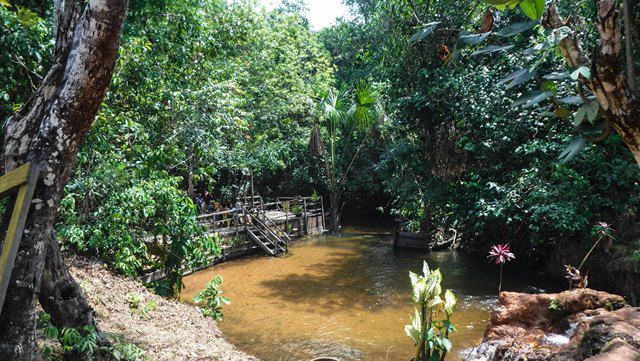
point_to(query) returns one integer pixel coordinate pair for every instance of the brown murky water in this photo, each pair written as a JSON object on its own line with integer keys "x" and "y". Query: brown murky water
{"x": 344, "y": 296}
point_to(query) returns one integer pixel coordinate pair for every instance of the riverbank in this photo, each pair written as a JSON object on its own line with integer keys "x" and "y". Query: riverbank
{"x": 169, "y": 331}
{"x": 581, "y": 324}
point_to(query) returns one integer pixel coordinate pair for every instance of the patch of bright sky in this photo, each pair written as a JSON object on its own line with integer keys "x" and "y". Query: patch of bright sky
{"x": 321, "y": 14}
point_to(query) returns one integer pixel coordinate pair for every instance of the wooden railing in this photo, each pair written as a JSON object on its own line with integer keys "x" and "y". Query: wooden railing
{"x": 291, "y": 207}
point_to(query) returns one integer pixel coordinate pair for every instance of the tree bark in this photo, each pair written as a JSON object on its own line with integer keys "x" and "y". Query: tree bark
{"x": 608, "y": 82}
{"x": 334, "y": 199}
{"x": 47, "y": 132}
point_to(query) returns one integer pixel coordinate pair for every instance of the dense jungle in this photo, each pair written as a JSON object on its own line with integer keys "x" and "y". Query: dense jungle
{"x": 327, "y": 178}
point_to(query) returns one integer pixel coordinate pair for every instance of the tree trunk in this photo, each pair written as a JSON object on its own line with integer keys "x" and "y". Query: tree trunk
{"x": 608, "y": 82}
{"x": 62, "y": 297}
{"x": 47, "y": 132}
{"x": 334, "y": 198}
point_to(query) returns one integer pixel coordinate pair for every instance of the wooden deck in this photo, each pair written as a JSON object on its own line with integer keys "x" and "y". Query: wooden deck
{"x": 270, "y": 225}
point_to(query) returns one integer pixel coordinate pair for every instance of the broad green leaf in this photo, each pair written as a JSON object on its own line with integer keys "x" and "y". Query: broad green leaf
{"x": 450, "y": 301}
{"x": 516, "y": 28}
{"x": 522, "y": 78}
{"x": 557, "y": 76}
{"x": 533, "y": 8}
{"x": 579, "y": 116}
{"x": 425, "y": 269}
{"x": 581, "y": 71}
{"x": 573, "y": 149}
{"x": 557, "y": 35}
{"x": 574, "y": 100}
{"x": 423, "y": 32}
{"x": 27, "y": 17}
{"x": 592, "y": 110}
{"x": 496, "y": 2}
{"x": 473, "y": 39}
{"x": 532, "y": 98}
{"x": 492, "y": 49}
{"x": 436, "y": 301}
{"x": 517, "y": 77}
{"x": 5, "y": 3}
{"x": 420, "y": 291}
{"x": 588, "y": 111}
{"x": 446, "y": 343}
{"x": 413, "y": 330}
{"x": 414, "y": 278}
{"x": 431, "y": 333}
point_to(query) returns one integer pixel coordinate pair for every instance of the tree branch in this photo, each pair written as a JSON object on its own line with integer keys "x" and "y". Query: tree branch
{"x": 631, "y": 72}
{"x": 569, "y": 46}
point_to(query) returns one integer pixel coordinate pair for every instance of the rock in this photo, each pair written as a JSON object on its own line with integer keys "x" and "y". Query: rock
{"x": 622, "y": 353}
{"x": 572, "y": 325}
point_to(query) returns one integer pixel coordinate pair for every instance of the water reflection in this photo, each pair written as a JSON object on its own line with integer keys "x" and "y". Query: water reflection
{"x": 345, "y": 296}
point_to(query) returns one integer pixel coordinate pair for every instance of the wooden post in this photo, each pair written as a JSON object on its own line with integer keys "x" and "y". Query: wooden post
{"x": 396, "y": 232}
{"x": 252, "y": 194}
{"x": 286, "y": 219}
{"x": 19, "y": 183}
{"x": 304, "y": 216}
{"x": 322, "y": 217}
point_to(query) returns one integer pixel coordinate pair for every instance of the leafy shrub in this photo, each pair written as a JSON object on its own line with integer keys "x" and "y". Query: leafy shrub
{"x": 556, "y": 306}
{"x": 211, "y": 299}
{"x": 145, "y": 224}
{"x": 136, "y": 304}
{"x": 430, "y": 335}
{"x": 84, "y": 341}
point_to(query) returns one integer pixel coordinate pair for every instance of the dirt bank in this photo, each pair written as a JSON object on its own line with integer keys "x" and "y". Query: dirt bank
{"x": 171, "y": 331}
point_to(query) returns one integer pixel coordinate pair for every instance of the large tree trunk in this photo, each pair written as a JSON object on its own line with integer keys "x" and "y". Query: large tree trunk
{"x": 608, "y": 82}
{"x": 48, "y": 132}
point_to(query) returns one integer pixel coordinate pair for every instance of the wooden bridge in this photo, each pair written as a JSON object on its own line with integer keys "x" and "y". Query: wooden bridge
{"x": 272, "y": 225}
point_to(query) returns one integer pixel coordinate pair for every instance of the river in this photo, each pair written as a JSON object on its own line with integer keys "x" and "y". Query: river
{"x": 347, "y": 296}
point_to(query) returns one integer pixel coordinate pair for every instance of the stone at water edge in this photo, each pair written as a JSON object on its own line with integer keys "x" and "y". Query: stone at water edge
{"x": 523, "y": 326}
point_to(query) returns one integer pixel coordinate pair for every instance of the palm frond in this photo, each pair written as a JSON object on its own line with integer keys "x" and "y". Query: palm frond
{"x": 367, "y": 107}
{"x": 333, "y": 107}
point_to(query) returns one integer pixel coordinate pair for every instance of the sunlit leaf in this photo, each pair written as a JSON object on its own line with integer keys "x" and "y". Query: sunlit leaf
{"x": 557, "y": 76}
{"x": 516, "y": 28}
{"x": 532, "y": 98}
{"x": 581, "y": 71}
{"x": 423, "y": 32}
{"x": 473, "y": 39}
{"x": 573, "y": 149}
{"x": 496, "y": 2}
{"x": 450, "y": 301}
{"x": 533, "y": 8}
{"x": 573, "y": 100}
{"x": 492, "y": 49}
{"x": 425, "y": 269}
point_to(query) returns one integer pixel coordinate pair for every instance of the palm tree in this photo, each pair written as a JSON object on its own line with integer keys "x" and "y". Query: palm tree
{"x": 359, "y": 110}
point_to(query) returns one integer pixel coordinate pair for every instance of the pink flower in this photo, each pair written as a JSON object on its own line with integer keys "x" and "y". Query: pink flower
{"x": 501, "y": 254}
{"x": 603, "y": 228}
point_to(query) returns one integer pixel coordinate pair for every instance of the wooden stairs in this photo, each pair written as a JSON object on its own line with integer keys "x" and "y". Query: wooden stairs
{"x": 263, "y": 231}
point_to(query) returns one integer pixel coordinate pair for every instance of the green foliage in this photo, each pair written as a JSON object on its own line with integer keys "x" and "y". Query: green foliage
{"x": 85, "y": 341}
{"x": 25, "y": 50}
{"x": 141, "y": 308}
{"x": 457, "y": 155}
{"x": 430, "y": 334}
{"x": 204, "y": 93}
{"x": 556, "y": 306}
{"x": 211, "y": 299}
